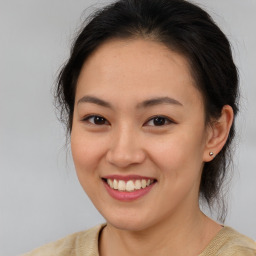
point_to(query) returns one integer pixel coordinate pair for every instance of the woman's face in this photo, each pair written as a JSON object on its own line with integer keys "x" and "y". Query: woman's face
{"x": 139, "y": 125}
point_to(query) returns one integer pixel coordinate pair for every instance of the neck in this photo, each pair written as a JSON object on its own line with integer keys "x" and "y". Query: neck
{"x": 165, "y": 238}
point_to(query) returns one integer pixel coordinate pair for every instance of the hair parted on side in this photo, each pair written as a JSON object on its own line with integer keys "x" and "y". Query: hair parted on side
{"x": 184, "y": 28}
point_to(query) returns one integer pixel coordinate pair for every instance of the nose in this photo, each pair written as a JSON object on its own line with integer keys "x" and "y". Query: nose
{"x": 125, "y": 149}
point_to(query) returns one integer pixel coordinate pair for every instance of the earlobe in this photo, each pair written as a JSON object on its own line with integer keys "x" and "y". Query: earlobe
{"x": 218, "y": 133}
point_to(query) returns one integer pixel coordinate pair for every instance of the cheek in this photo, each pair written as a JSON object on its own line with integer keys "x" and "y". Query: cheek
{"x": 86, "y": 151}
{"x": 179, "y": 152}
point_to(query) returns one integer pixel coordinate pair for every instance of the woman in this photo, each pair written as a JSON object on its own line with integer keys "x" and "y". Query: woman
{"x": 150, "y": 94}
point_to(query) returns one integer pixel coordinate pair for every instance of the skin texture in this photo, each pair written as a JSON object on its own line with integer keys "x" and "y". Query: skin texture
{"x": 124, "y": 74}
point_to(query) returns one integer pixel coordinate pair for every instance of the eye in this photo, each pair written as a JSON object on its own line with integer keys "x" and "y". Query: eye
{"x": 159, "y": 121}
{"x": 97, "y": 120}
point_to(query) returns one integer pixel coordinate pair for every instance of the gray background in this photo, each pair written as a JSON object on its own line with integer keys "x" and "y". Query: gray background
{"x": 40, "y": 197}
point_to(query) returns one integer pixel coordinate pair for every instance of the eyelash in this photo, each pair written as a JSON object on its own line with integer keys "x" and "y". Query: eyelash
{"x": 166, "y": 119}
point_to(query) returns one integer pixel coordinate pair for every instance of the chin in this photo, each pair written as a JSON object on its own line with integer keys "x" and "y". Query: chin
{"x": 132, "y": 226}
{"x": 129, "y": 222}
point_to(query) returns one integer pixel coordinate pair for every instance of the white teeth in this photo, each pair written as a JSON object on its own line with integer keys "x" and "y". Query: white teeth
{"x": 143, "y": 183}
{"x": 110, "y": 183}
{"x": 130, "y": 185}
{"x": 115, "y": 184}
{"x": 137, "y": 184}
{"x": 121, "y": 185}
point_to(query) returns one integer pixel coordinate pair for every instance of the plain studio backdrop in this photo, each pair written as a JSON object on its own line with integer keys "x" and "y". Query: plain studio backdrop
{"x": 40, "y": 197}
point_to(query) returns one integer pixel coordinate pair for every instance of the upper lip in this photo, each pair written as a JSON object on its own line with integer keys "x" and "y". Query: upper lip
{"x": 127, "y": 177}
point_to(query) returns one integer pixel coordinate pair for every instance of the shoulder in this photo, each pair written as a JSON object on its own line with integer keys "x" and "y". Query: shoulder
{"x": 229, "y": 242}
{"x": 81, "y": 243}
{"x": 238, "y": 244}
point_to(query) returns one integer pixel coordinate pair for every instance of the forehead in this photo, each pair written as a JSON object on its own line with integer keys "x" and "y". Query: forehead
{"x": 137, "y": 67}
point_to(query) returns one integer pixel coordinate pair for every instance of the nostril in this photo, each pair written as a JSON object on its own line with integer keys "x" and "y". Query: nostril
{"x": 123, "y": 158}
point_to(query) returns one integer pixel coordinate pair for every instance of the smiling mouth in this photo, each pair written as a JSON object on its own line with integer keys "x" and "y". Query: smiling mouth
{"x": 128, "y": 185}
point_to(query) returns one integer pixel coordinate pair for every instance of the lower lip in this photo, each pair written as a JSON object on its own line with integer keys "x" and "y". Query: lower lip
{"x": 127, "y": 196}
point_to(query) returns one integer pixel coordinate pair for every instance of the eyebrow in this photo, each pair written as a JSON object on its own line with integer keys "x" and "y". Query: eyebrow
{"x": 144, "y": 104}
{"x": 158, "y": 101}
{"x": 94, "y": 100}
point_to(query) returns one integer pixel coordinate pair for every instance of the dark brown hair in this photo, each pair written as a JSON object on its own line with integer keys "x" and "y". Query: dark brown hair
{"x": 184, "y": 28}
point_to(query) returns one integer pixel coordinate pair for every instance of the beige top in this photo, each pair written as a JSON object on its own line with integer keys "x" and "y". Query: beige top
{"x": 227, "y": 242}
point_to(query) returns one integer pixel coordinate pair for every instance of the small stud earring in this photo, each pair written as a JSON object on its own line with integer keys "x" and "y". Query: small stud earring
{"x": 211, "y": 154}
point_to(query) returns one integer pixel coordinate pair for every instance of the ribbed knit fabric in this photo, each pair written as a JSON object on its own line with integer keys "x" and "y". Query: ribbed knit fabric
{"x": 227, "y": 242}
{"x": 84, "y": 243}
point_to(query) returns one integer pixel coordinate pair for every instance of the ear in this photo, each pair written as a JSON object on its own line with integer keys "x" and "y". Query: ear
{"x": 218, "y": 132}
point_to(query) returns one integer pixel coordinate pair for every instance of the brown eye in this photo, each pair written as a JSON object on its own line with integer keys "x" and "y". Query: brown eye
{"x": 159, "y": 121}
{"x": 97, "y": 120}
